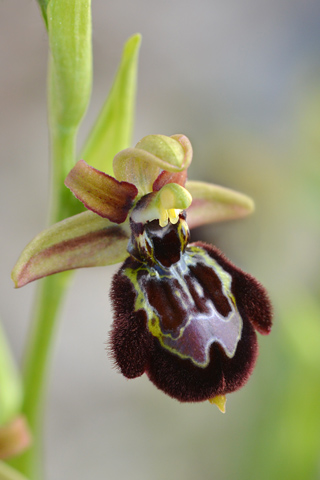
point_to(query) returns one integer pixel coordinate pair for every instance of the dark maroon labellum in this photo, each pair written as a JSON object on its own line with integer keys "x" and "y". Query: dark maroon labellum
{"x": 185, "y": 315}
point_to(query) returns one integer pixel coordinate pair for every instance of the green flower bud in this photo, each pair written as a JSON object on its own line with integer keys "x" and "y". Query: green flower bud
{"x": 69, "y": 30}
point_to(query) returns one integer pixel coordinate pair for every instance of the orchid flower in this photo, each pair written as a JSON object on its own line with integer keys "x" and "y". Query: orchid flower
{"x": 183, "y": 313}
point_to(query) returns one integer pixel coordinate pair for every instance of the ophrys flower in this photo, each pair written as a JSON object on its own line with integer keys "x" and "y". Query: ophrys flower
{"x": 183, "y": 313}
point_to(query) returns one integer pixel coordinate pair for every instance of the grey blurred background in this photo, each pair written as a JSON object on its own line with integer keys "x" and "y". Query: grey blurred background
{"x": 241, "y": 79}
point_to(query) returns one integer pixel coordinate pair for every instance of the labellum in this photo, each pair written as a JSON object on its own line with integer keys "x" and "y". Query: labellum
{"x": 184, "y": 314}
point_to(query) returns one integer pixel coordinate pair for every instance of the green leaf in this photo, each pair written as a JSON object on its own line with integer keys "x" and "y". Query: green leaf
{"x": 113, "y": 129}
{"x": 84, "y": 240}
{"x": 212, "y": 203}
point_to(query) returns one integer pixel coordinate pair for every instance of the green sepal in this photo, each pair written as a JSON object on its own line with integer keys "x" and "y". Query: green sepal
{"x": 84, "y": 240}
{"x": 112, "y": 131}
{"x": 212, "y": 203}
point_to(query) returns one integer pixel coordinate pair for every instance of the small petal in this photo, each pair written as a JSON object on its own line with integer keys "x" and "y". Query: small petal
{"x": 85, "y": 240}
{"x": 212, "y": 203}
{"x": 169, "y": 177}
{"x": 101, "y": 193}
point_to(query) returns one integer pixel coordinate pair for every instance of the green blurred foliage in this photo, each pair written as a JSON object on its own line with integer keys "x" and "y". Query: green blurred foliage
{"x": 281, "y": 246}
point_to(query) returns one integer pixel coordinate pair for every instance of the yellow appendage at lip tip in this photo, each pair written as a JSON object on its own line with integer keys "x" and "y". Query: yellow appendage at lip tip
{"x": 220, "y": 401}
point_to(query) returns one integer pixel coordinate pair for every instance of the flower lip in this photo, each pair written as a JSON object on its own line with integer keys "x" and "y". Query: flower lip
{"x": 199, "y": 314}
{"x": 170, "y": 362}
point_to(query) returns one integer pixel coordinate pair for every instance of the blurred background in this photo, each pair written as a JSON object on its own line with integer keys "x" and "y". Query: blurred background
{"x": 241, "y": 78}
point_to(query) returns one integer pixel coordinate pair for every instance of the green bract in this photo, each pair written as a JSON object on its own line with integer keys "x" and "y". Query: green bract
{"x": 113, "y": 128}
{"x": 150, "y": 183}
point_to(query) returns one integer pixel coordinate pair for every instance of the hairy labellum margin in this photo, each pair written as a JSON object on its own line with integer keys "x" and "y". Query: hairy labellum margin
{"x": 185, "y": 315}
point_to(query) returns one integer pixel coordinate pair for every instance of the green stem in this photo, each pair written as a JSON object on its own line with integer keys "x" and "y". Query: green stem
{"x": 48, "y": 300}
{"x": 63, "y": 203}
{"x": 49, "y": 297}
